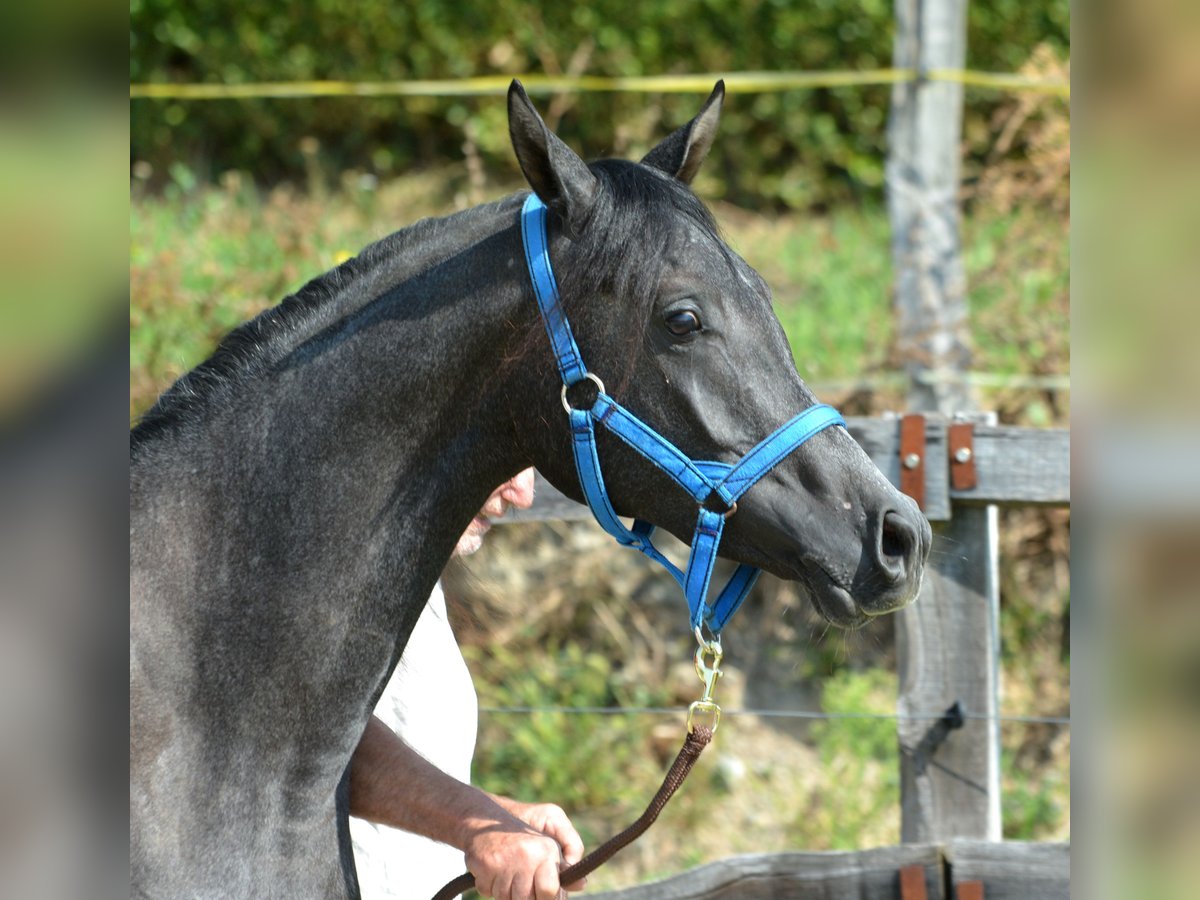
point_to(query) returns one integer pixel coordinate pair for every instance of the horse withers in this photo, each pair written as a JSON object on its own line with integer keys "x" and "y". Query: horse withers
{"x": 294, "y": 498}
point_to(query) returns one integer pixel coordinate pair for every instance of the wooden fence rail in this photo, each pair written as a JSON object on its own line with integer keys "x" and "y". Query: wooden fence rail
{"x": 1012, "y": 870}
{"x": 1016, "y": 467}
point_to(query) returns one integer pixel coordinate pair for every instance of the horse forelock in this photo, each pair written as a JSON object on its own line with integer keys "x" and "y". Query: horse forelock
{"x": 636, "y": 220}
{"x": 640, "y": 215}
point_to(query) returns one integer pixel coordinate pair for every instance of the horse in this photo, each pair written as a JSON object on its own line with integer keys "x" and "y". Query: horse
{"x": 294, "y": 498}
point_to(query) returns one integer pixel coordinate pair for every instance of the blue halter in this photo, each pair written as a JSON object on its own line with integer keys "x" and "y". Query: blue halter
{"x": 706, "y": 482}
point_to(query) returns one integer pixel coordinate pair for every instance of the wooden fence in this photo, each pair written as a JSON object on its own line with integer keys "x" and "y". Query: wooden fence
{"x": 947, "y": 646}
{"x": 957, "y": 870}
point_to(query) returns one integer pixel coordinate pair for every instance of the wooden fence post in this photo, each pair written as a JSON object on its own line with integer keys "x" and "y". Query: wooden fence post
{"x": 947, "y": 652}
{"x": 947, "y": 643}
{"x": 924, "y": 132}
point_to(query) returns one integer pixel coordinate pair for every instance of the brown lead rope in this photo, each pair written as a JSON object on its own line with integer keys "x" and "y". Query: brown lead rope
{"x": 697, "y": 739}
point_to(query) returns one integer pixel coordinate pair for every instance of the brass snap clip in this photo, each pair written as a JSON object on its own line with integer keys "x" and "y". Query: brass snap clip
{"x": 709, "y": 672}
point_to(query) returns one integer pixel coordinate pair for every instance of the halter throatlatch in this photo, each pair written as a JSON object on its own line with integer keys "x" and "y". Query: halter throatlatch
{"x": 708, "y": 483}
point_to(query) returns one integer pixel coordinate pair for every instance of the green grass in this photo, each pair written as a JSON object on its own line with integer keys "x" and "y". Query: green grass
{"x": 1018, "y": 269}
{"x": 204, "y": 262}
{"x": 830, "y": 277}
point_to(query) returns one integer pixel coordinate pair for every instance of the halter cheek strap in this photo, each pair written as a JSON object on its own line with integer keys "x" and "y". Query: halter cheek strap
{"x": 705, "y": 481}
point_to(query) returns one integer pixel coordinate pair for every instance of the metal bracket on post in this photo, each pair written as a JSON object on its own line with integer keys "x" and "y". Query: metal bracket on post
{"x": 912, "y": 457}
{"x": 912, "y": 883}
{"x": 961, "y": 449}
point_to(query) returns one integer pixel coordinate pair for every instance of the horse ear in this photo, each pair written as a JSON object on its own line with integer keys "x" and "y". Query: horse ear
{"x": 560, "y": 178}
{"x": 682, "y": 152}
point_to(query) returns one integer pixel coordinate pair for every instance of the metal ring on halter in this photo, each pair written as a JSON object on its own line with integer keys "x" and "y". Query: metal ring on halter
{"x": 588, "y": 376}
{"x": 711, "y": 646}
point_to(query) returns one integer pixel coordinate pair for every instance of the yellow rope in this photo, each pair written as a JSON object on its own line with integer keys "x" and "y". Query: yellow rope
{"x": 1003, "y": 81}
{"x": 749, "y": 82}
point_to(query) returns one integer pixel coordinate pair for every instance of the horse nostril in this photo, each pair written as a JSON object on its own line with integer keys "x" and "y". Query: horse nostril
{"x": 897, "y": 544}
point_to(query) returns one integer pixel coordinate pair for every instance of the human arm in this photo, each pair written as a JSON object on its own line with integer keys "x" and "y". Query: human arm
{"x": 512, "y": 848}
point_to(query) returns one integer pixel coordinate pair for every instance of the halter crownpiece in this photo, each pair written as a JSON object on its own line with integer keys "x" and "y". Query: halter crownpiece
{"x": 708, "y": 483}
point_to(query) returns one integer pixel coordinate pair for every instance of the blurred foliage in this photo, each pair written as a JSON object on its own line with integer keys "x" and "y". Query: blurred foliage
{"x": 54, "y": 201}
{"x": 857, "y": 751}
{"x": 1035, "y": 636}
{"x": 1035, "y": 800}
{"x": 1030, "y": 156}
{"x": 798, "y": 149}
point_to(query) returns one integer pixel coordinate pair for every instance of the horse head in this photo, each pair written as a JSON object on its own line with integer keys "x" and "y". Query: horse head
{"x": 682, "y": 330}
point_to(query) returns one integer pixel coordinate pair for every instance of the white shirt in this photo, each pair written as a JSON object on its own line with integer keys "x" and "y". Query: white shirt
{"x": 430, "y": 702}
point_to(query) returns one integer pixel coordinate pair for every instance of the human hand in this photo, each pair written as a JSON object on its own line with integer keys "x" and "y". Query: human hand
{"x": 520, "y": 859}
{"x": 550, "y": 820}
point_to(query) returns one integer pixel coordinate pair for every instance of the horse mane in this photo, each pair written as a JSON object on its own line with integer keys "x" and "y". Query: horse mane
{"x": 240, "y": 353}
{"x": 636, "y": 207}
{"x": 252, "y": 348}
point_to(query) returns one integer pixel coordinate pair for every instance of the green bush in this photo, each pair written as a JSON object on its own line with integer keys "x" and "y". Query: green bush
{"x": 797, "y": 149}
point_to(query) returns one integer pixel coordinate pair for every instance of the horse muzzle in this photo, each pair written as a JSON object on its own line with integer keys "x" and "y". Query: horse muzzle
{"x": 895, "y": 549}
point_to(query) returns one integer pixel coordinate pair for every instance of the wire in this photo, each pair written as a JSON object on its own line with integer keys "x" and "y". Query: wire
{"x": 985, "y": 380}
{"x": 777, "y": 714}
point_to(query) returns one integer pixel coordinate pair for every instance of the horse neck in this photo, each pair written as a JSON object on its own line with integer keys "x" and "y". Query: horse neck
{"x": 311, "y": 509}
{"x": 398, "y": 368}
{"x": 408, "y": 388}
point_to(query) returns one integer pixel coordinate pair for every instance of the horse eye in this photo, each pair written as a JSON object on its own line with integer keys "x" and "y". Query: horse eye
{"x": 683, "y": 322}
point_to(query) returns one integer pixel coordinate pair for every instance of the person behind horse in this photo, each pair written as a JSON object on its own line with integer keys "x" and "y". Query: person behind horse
{"x": 412, "y": 771}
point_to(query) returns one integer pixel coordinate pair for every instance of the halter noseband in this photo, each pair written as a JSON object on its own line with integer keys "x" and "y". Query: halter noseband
{"x": 706, "y": 482}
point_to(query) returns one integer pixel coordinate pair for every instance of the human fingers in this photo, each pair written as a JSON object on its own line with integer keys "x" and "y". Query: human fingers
{"x": 545, "y": 884}
{"x": 493, "y": 876}
{"x": 520, "y": 489}
{"x": 516, "y": 865}
{"x": 575, "y": 885}
{"x": 503, "y": 888}
{"x": 558, "y": 825}
{"x": 484, "y": 885}
{"x": 553, "y": 822}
